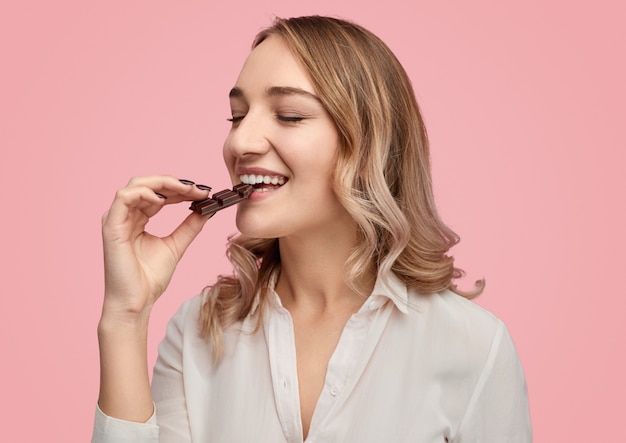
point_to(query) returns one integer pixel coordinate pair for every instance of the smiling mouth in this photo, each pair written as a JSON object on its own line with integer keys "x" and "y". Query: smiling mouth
{"x": 263, "y": 183}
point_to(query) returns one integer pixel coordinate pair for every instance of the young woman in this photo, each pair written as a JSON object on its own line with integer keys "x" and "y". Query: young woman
{"x": 341, "y": 322}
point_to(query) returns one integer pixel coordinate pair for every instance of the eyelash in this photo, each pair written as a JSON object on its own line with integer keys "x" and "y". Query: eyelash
{"x": 282, "y": 118}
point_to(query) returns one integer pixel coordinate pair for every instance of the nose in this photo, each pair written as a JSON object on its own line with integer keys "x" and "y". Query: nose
{"x": 247, "y": 137}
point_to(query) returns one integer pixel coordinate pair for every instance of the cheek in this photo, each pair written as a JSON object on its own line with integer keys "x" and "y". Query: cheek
{"x": 318, "y": 154}
{"x": 225, "y": 151}
{"x": 326, "y": 163}
{"x": 227, "y": 155}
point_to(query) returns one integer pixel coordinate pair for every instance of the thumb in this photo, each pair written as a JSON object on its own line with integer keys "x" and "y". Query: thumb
{"x": 188, "y": 230}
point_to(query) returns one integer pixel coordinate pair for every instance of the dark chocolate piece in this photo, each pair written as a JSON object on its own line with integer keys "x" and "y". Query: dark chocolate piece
{"x": 243, "y": 190}
{"x": 222, "y": 199}
{"x": 228, "y": 198}
{"x": 219, "y": 196}
{"x": 205, "y": 206}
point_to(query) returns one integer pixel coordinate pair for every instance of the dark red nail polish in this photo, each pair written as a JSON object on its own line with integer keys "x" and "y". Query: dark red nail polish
{"x": 161, "y": 195}
{"x": 204, "y": 187}
{"x": 186, "y": 182}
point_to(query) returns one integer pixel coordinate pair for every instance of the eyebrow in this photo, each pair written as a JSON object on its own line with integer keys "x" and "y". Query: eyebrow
{"x": 277, "y": 91}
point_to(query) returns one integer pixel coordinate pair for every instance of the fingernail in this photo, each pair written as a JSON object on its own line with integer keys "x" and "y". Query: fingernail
{"x": 204, "y": 187}
{"x": 186, "y": 182}
{"x": 161, "y": 196}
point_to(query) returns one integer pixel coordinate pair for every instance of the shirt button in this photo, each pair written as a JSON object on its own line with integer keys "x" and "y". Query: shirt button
{"x": 334, "y": 391}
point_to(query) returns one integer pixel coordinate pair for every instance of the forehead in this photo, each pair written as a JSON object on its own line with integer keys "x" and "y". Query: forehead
{"x": 272, "y": 64}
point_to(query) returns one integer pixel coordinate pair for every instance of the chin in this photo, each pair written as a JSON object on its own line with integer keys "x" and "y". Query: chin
{"x": 250, "y": 227}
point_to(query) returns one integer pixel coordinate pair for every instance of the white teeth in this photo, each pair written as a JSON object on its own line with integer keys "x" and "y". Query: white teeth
{"x": 252, "y": 179}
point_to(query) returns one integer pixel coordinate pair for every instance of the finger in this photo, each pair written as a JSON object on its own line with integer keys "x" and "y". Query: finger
{"x": 188, "y": 230}
{"x": 142, "y": 198}
{"x": 134, "y": 205}
{"x": 176, "y": 190}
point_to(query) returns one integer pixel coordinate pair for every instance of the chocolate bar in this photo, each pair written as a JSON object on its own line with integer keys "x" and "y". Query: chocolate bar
{"x": 222, "y": 199}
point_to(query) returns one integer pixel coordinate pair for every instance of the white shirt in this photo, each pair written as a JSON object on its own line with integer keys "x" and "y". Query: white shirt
{"x": 407, "y": 368}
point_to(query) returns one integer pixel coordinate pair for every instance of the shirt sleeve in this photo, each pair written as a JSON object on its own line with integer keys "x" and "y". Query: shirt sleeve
{"x": 112, "y": 430}
{"x": 168, "y": 390}
{"x": 498, "y": 410}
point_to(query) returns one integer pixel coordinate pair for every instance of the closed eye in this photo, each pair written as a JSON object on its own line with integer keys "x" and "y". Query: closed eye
{"x": 235, "y": 119}
{"x": 284, "y": 118}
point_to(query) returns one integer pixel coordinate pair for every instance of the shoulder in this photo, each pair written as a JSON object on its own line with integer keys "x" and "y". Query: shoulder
{"x": 180, "y": 325}
{"x": 451, "y": 308}
{"x": 186, "y": 316}
{"x": 467, "y": 332}
{"x": 190, "y": 307}
{"x": 183, "y": 329}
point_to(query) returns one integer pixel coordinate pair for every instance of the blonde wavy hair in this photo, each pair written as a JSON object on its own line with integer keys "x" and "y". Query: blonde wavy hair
{"x": 382, "y": 175}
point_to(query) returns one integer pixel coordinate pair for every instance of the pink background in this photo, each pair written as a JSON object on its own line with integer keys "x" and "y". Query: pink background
{"x": 525, "y": 108}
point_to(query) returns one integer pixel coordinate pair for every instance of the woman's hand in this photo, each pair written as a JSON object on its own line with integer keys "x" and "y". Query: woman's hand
{"x": 138, "y": 265}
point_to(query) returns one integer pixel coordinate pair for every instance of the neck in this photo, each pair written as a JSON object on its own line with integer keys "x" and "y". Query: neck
{"x": 312, "y": 275}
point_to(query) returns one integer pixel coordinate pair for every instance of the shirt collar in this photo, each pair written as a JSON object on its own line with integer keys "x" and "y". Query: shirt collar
{"x": 388, "y": 285}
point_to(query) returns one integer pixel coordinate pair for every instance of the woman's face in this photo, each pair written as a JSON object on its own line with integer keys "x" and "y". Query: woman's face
{"x": 282, "y": 140}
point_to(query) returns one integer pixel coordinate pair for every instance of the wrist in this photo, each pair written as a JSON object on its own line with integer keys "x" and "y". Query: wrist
{"x": 121, "y": 321}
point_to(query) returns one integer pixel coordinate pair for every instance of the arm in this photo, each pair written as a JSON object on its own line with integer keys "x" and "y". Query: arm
{"x": 138, "y": 268}
{"x": 498, "y": 410}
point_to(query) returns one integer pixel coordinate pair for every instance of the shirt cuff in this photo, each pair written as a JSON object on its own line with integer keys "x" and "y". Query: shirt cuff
{"x": 113, "y": 430}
